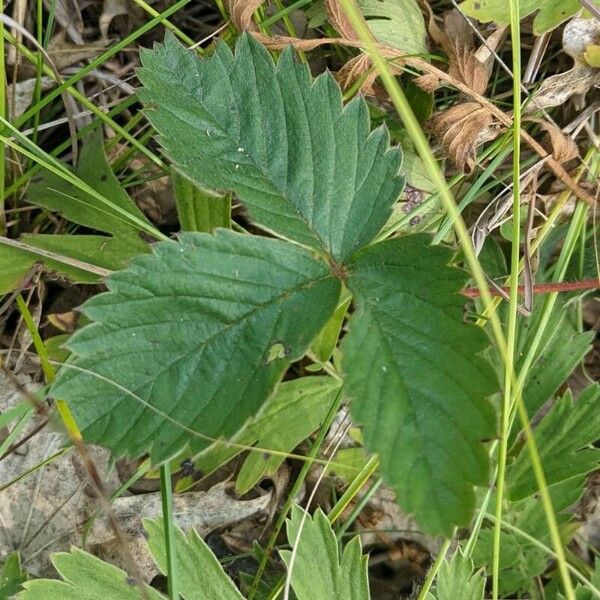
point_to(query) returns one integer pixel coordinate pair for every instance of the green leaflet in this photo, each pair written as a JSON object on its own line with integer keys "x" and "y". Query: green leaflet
{"x": 290, "y": 415}
{"x": 520, "y": 560}
{"x": 582, "y": 592}
{"x": 396, "y": 23}
{"x": 560, "y": 350}
{"x": 457, "y": 581}
{"x": 111, "y": 251}
{"x": 15, "y": 265}
{"x": 319, "y": 569}
{"x": 551, "y": 12}
{"x": 305, "y": 168}
{"x": 53, "y": 192}
{"x": 200, "y": 575}
{"x": 416, "y": 381}
{"x": 564, "y": 438}
{"x": 189, "y": 329}
{"x": 85, "y": 578}
{"x": 12, "y": 575}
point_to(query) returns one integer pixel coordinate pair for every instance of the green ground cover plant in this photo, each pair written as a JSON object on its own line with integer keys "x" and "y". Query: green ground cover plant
{"x": 368, "y": 282}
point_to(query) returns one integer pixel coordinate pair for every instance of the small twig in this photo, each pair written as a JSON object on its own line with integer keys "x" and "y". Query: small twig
{"x": 542, "y": 288}
{"x": 591, "y": 7}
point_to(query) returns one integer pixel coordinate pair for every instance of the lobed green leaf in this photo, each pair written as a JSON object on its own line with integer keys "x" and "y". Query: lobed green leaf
{"x": 306, "y": 167}
{"x": 181, "y": 343}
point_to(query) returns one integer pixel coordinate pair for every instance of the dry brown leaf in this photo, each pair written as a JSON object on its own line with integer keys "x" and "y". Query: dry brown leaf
{"x": 556, "y": 90}
{"x": 241, "y": 12}
{"x": 48, "y": 510}
{"x": 337, "y": 17}
{"x": 470, "y": 66}
{"x": 461, "y": 129}
{"x": 202, "y": 511}
{"x": 20, "y": 94}
{"x": 361, "y": 66}
{"x": 353, "y": 70}
{"x": 280, "y": 42}
{"x": 559, "y": 144}
{"x": 64, "y": 54}
{"x": 119, "y": 8}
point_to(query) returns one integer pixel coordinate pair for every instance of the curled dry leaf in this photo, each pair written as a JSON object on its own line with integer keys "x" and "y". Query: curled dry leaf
{"x": 559, "y": 144}
{"x": 578, "y": 36}
{"x": 20, "y": 94}
{"x": 119, "y": 8}
{"x": 65, "y": 54}
{"x": 241, "y": 12}
{"x": 337, "y": 17}
{"x": 461, "y": 129}
{"x": 466, "y": 64}
{"x": 396, "y": 24}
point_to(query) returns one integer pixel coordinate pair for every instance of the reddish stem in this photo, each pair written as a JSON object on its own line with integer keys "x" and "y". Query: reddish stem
{"x": 542, "y": 288}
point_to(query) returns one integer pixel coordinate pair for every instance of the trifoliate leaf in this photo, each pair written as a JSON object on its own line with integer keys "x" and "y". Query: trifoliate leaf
{"x": 564, "y": 438}
{"x": 289, "y": 416}
{"x": 305, "y": 167}
{"x": 199, "y": 574}
{"x": 86, "y": 577}
{"x": 318, "y": 570}
{"x": 416, "y": 381}
{"x": 185, "y": 335}
{"x": 551, "y": 13}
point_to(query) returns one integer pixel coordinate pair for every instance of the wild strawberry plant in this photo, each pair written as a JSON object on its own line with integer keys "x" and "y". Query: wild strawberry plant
{"x": 189, "y": 342}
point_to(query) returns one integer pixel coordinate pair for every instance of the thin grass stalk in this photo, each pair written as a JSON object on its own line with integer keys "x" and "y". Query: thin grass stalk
{"x": 424, "y": 150}
{"x": 433, "y": 570}
{"x": 3, "y": 115}
{"x": 511, "y": 335}
{"x": 166, "y": 496}
{"x": 95, "y": 63}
